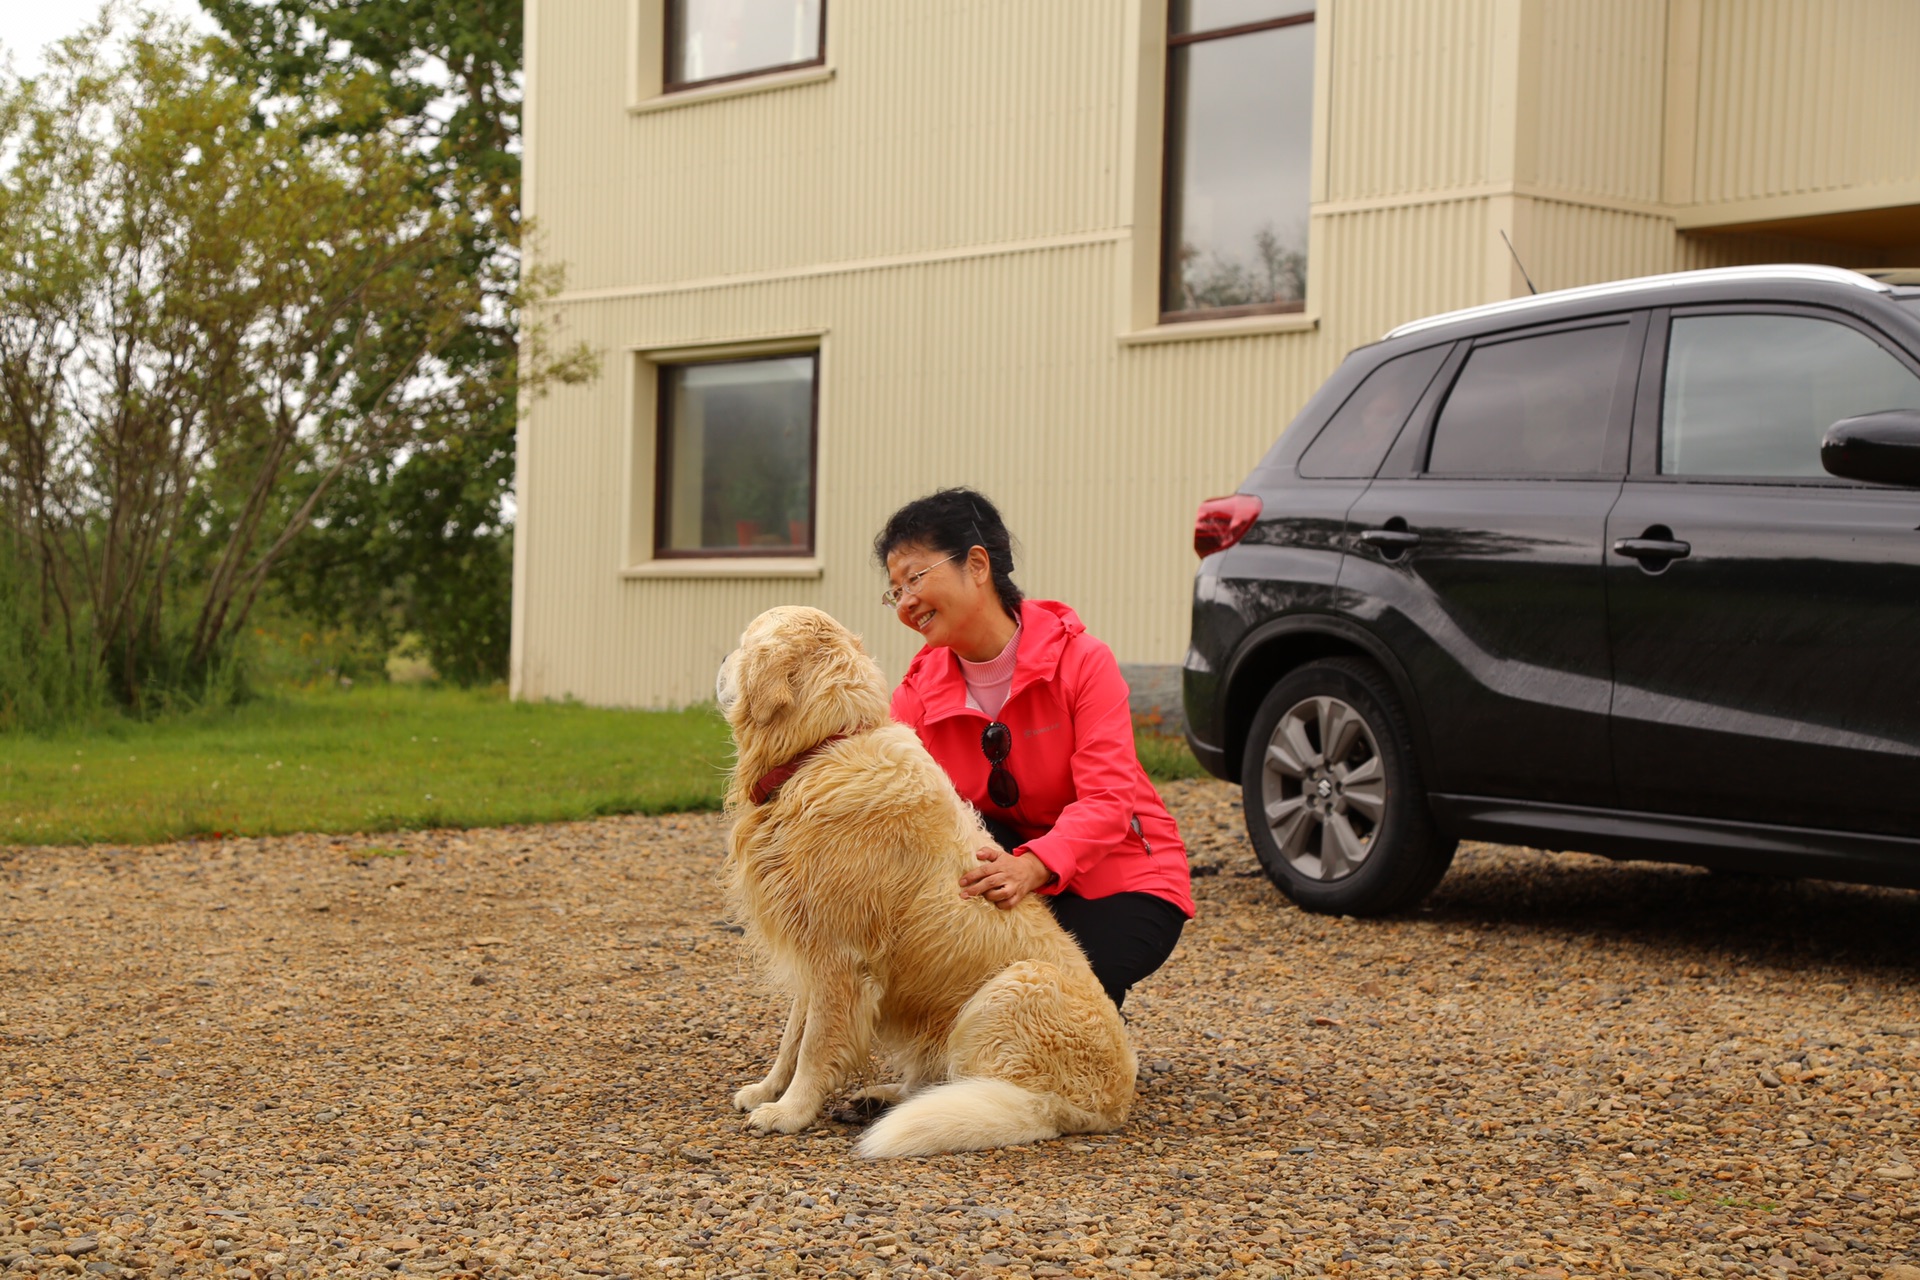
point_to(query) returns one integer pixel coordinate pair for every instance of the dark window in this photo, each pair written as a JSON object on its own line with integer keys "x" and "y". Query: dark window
{"x": 1532, "y": 406}
{"x": 1751, "y": 395}
{"x": 736, "y": 469}
{"x": 1359, "y": 435}
{"x": 710, "y": 40}
{"x": 1238, "y": 153}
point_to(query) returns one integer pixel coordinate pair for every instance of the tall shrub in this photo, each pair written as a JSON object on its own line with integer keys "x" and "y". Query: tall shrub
{"x": 213, "y": 305}
{"x": 420, "y": 546}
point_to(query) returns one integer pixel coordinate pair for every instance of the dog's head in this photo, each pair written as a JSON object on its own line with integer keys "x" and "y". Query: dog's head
{"x": 796, "y": 678}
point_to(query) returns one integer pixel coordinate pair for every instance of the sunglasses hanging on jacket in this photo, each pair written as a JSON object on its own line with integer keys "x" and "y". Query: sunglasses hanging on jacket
{"x": 996, "y": 741}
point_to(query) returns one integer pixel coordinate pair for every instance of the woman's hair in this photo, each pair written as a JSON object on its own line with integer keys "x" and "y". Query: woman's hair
{"x": 953, "y": 522}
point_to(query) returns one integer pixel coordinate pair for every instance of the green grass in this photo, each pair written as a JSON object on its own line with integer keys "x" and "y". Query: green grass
{"x": 382, "y": 758}
{"x": 377, "y": 758}
{"x": 1165, "y": 756}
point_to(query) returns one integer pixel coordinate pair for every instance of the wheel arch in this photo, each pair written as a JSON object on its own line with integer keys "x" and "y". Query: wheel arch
{"x": 1271, "y": 651}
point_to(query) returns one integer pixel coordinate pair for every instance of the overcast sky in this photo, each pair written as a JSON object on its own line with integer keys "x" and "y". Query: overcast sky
{"x": 29, "y": 26}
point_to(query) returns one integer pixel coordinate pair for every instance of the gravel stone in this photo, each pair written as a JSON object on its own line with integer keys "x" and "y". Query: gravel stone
{"x": 1557, "y": 1067}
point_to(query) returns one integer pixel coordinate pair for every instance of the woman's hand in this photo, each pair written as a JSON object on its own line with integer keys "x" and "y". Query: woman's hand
{"x": 1004, "y": 879}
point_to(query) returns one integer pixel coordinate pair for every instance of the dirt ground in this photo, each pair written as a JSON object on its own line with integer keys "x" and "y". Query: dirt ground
{"x": 509, "y": 1053}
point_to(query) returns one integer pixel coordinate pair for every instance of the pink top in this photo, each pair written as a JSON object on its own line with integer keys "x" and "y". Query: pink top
{"x": 989, "y": 682}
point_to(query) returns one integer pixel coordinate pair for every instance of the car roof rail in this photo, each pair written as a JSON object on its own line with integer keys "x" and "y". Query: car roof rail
{"x": 1713, "y": 275}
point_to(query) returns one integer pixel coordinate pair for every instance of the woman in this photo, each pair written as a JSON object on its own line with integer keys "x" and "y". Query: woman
{"x": 1028, "y": 715}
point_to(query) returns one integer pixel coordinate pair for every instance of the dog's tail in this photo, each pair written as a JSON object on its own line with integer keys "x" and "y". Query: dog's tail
{"x": 967, "y": 1115}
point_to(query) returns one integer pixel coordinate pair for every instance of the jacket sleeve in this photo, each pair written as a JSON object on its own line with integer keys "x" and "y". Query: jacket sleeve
{"x": 1095, "y": 824}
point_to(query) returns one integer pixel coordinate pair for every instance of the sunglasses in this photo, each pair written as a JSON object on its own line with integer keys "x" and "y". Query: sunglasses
{"x": 996, "y": 741}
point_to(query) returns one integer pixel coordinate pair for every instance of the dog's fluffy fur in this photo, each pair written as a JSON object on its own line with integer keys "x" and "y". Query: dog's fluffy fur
{"x": 848, "y": 883}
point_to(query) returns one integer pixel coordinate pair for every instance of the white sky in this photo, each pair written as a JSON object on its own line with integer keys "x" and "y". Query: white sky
{"x": 27, "y": 27}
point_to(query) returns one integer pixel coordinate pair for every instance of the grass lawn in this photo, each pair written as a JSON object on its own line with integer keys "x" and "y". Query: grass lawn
{"x": 379, "y": 758}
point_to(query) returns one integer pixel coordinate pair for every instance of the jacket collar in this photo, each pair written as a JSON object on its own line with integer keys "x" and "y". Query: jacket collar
{"x": 1045, "y": 628}
{"x": 773, "y": 779}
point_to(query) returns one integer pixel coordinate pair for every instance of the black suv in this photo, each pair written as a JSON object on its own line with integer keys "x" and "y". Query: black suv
{"x": 1632, "y": 569}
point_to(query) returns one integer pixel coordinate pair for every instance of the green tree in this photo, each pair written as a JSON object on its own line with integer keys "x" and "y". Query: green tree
{"x": 214, "y": 307}
{"x": 420, "y": 544}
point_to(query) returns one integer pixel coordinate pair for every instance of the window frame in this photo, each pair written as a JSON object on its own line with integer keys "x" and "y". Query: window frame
{"x": 669, "y": 86}
{"x": 1650, "y": 403}
{"x": 1168, "y": 177}
{"x": 663, "y": 463}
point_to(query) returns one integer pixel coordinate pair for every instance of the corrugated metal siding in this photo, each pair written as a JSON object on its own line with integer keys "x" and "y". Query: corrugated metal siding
{"x": 997, "y": 372}
{"x": 973, "y": 128}
{"x": 1410, "y": 96}
{"x": 1585, "y": 245}
{"x": 993, "y": 372}
{"x": 1392, "y": 265}
{"x": 1695, "y": 251}
{"x": 947, "y": 122}
{"x": 1601, "y": 63}
{"x": 1806, "y": 95}
{"x": 1579, "y": 244}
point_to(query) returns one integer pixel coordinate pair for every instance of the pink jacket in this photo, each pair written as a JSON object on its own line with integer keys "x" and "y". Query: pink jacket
{"x": 1081, "y": 784}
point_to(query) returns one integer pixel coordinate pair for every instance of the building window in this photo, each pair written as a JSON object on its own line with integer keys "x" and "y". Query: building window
{"x": 1238, "y": 159}
{"x": 736, "y": 463}
{"x": 711, "y": 40}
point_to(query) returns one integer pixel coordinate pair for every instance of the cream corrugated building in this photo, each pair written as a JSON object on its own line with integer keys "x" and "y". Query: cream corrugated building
{"x": 1090, "y": 256}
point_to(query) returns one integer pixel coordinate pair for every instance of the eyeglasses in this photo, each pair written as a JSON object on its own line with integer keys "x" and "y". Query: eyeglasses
{"x": 892, "y": 596}
{"x": 996, "y": 740}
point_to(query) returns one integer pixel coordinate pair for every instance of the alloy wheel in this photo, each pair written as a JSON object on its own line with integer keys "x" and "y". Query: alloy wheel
{"x": 1323, "y": 788}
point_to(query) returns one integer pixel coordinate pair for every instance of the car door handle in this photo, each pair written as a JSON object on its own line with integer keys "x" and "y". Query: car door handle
{"x": 1390, "y": 541}
{"x": 1652, "y": 548}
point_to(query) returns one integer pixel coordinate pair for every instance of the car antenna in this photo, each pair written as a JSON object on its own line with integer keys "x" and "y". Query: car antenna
{"x": 1516, "y": 262}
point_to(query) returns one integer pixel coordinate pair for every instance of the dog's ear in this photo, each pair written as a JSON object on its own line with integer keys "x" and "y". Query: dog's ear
{"x": 773, "y": 685}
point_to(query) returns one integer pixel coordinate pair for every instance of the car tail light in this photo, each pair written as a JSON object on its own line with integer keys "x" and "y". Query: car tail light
{"x": 1223, "y": 522}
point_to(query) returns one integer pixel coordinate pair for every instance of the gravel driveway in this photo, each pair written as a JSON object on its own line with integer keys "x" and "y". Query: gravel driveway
{"x": 509, "y": 1053}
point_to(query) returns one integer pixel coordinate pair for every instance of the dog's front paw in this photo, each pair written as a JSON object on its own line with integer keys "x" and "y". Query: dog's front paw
{"x": 753, "y": 1095}
{"x": 778, "y": 1117}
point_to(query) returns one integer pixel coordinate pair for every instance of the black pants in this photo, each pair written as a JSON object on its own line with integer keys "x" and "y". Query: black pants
{"x": 1126, "y": 935}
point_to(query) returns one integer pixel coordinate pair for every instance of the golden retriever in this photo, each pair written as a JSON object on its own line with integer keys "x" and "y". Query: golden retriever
{"x": 846, "y": 878}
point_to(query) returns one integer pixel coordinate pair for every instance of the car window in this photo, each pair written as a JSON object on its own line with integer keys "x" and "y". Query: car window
{"x": 1357, "y": 437}
{"x": 1751, "y": 395}
{"x": 1537, "y": 405}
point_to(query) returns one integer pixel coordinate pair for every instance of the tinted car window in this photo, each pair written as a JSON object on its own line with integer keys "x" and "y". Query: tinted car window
{"x": 1532, "y": 406}
{"x": 1751, "y": 395}
{"x": 1359, "y": 435}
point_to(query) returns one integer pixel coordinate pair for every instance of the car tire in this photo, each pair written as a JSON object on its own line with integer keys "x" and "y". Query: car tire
{"x": 1349, "y": 832}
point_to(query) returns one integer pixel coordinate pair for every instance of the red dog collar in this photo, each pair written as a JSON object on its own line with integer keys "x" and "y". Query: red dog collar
{"x": 773, "y": 779}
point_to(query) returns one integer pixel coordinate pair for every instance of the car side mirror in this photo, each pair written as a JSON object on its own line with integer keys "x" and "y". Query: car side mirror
{"x": 1883, "y": 448}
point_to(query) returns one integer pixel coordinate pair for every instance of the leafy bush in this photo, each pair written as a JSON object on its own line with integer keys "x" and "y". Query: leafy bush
{"x": 220, "y": 304}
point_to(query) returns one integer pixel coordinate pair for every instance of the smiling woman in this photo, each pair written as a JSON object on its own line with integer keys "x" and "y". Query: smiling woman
{"x": 1028, "y": 715}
